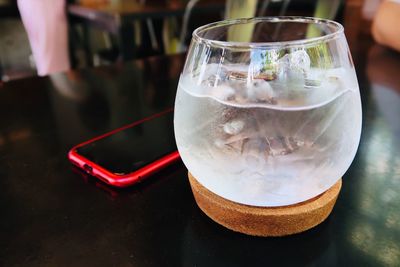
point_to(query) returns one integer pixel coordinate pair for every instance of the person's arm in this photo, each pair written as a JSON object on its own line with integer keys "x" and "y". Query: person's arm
{"x": 45, "y": 22}
{"x": 386, "y": 24}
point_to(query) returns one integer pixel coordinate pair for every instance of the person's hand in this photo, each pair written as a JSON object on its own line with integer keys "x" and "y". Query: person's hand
{"x": 386, "y": 24}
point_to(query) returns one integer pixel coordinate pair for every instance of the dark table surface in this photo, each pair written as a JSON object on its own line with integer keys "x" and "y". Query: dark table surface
{"x": 52, "y": 215}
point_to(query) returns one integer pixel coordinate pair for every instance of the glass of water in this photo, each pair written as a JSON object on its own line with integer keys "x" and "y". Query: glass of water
{"x": 268, "y": 110}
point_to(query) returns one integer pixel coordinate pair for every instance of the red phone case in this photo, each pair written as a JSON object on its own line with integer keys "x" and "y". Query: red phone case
{"x": 115, "y": 179}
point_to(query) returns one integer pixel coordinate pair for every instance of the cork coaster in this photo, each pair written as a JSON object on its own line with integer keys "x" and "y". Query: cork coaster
{"x": 265, "y": 221}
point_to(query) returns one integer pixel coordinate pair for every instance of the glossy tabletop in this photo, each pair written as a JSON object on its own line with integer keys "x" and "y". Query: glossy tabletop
{"x": 52, "y": 215}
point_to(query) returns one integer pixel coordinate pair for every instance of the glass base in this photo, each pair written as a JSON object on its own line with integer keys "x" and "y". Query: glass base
{"x": 265, "y": 221}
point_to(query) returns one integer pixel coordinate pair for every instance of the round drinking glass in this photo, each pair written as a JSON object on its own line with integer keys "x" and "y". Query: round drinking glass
{"x": 268, "y": 110}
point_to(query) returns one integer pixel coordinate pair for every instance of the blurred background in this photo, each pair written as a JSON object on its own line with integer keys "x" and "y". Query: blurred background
{"x": 43, "y": 118}
{"x": 101, "y": 32}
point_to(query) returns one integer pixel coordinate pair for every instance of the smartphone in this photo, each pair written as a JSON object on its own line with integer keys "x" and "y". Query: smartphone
{"x": 131, "y": 153}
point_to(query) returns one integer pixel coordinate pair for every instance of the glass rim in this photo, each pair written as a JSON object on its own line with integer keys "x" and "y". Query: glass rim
{"x": 339, "y": 30}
